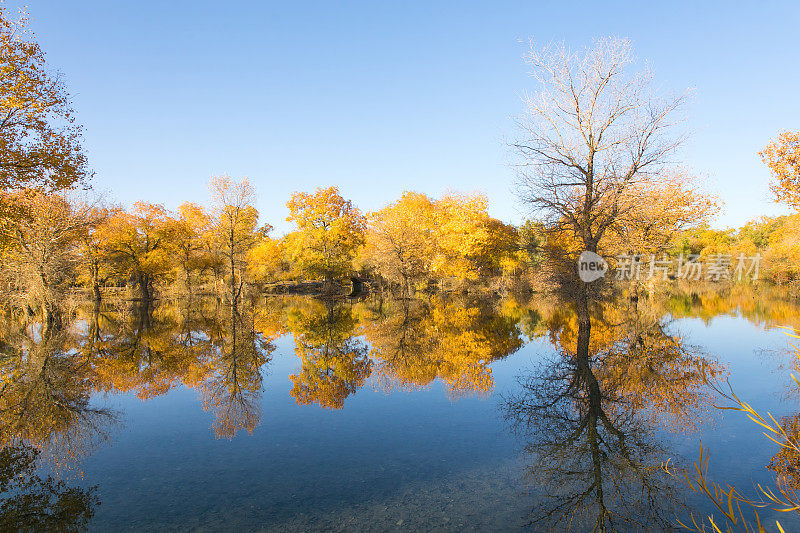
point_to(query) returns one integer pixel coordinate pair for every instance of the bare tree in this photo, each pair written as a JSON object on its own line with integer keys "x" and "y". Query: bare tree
{"x": 595, "y": 139}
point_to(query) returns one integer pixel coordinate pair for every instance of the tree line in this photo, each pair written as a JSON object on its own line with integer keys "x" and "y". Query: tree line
{"x": 54, "y": 243}
{"x": 597, "y": 168}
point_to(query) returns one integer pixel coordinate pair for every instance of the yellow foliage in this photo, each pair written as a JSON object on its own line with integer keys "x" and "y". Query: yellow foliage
{"x": 40, "y": 247}
{"x": 335, "y": 362}
{"x": 330, "y": 231}
{"x": 417, "y": 342}
{"x": 39, "y": 139}
{"x": 652, "y": 212}
{"x": 469, "y": 243}
{"x": 400, "y": 240}
{"x": 265, "y": 261}
{"x": 139, "y": 244}
{"x": 782, "y": 156}
{"x": 782, "y": 256}
{"x": 416, "y": 238}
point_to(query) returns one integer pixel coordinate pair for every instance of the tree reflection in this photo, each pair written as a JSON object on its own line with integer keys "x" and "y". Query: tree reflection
{"x": 588, "y": 417}
{"x": 335, "y": 362}
{"x": 416, "y": 341}
{"x": 46, "y": 384}
{"x": 29, "y": 502}
{"x": 198, "y": 344}
{"x": 768, "y": 306}
{"x": 46, "y": 416}
{"x": 400, "y": 344}
{"x": 786, "y": 462}
{"x": 232, "y": 388}
{"x": 145, "y": 350}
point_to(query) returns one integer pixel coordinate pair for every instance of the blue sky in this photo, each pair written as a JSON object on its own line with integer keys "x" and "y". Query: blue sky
{"x": 380, "y": 97}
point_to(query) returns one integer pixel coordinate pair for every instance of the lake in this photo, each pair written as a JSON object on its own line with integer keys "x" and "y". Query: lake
{"x": 437, "y": 413}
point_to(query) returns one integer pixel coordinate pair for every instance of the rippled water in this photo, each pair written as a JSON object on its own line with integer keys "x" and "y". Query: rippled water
{"x": 433, "y": 414}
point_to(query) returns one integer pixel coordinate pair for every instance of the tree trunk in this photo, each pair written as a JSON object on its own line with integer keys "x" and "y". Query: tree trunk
{"x": 96, "y": 283}
{"x": 145, "y": 286}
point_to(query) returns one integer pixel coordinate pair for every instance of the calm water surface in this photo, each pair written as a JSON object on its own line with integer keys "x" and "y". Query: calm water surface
{"x": 434, "y": 414}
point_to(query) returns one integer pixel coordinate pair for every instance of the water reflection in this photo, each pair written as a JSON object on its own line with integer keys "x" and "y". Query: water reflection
{"x": 588, "y": 416}
{"x": 202, "y": 345}
{"x": 786, "y": 462}
{"x": 46, "y": 416}
{"x": 29, "y": 502}
{"x": 45, "y": 396}
{"x": 335, "y": 362}
{"x": 415, "y": 342}
{"x": 231, "y": 387}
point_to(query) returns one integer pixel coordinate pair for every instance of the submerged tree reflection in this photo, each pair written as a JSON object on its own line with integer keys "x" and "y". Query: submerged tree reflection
{"x": 46, "y": 419}
{"x": 405, "y": 344}
{"x": 588, "y": 417}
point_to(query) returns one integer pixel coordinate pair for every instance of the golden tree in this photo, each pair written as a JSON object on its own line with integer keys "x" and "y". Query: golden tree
{"x": 469, "y": 243}
{"x": 330, "y": 231}
{"x": 265, "y": 262}
{"x": 139, "y": 245}
{"x": 655, "y": 212}
{"x": 782, "y": 156}
{"x": 94, "y": 270}
{"x": 40, "y": 143}
{"x": 400, "y": 239}
{"x": 417, "y": 238}
{"x": 235, "y": 227}
{"x": 190, "y": 235}
{"x": 781, "y": 258}
{"x": 41, "y": 248}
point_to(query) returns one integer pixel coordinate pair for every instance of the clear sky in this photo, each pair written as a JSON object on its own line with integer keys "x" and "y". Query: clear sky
{"x": 379, "y": 97}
